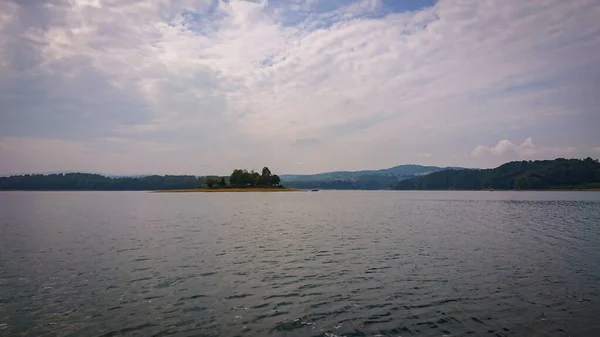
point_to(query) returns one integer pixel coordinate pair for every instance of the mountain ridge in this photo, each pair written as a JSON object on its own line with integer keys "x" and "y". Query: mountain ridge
{"x": 398, "y": 170}
{"x": 359, "y": 180}
{"x": 363, "y": 179}
{"x": 559, "y": 173}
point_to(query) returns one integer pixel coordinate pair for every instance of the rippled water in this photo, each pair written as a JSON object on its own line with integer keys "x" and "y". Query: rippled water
{"x": 300, "y": 264}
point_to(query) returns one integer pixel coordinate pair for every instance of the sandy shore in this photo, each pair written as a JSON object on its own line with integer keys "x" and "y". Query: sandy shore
{"x": 209, "y": 190}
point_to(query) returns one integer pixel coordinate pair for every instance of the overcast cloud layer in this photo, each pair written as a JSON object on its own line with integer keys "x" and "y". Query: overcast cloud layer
{"x": 303, "y": 86}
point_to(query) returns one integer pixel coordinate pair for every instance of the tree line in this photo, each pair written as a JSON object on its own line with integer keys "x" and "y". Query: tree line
{"x": 242, "y": 178}
{"x": 97, "y": 182}
{"x": 518, "y": 175}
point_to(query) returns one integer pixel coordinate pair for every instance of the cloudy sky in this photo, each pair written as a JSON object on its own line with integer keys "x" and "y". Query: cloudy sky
{"x": 303, "y": 86}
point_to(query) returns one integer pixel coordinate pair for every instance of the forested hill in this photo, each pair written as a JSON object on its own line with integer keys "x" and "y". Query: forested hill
{"x": 396, "y": 171}
{"x": 383, "y": 179}
{"x": 540, "y": 174}
{"x": 87, "y": 181}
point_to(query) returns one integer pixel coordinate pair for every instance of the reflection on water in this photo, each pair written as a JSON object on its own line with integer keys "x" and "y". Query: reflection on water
{"x": 300, "y": 264}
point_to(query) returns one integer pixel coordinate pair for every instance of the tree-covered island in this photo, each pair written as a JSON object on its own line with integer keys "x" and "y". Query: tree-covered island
{"x": 244, "y": 179}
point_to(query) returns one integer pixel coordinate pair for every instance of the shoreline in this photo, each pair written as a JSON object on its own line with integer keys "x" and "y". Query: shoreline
{"x": 543, "y": 190}
{"x": 206, "y": 190}
{"x": 233, "y": 190}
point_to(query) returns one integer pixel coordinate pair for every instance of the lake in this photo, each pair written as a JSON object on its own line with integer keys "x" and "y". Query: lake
{"x": 327, "y": 263}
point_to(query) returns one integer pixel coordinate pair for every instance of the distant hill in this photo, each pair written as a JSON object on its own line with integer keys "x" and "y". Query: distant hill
{"x": 521, "y": 175}
{"x": 366, "y": 179}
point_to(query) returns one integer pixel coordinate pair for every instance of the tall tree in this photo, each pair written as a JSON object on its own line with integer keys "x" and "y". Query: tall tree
{"x": 246, "y": 178}
{"x": 237, "y": 178}
{"x": 254, "y": 178}
{"x": 275, "y": 180}
{"x": 265, "y": 177}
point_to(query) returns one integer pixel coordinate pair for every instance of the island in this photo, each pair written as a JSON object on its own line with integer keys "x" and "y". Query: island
{"x": 240, "y": 180}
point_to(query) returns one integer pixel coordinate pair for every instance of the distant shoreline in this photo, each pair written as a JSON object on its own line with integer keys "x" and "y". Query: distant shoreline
{"x": 538, "y": 190}
{"x": 234, "y": 190}
{"x": 290, "y": 189}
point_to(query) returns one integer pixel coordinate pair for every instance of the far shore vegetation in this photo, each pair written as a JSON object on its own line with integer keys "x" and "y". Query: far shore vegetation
{"x": 557, "y": 174}
{"x": 241, "y": 178}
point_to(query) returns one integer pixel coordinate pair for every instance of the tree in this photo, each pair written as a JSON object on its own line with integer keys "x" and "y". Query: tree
{"x": 266, "y": 172}
{"x": 275, "y": 180}
{"x": 222, "y": 182}
{"x": 237, "y": 178}
{"x": 265, "y": 177}
{"x": 521, "y": 183}
{"x": 246, "y": 178}
{"x": 210, "y": 182}
{"x": 255, "y": 179}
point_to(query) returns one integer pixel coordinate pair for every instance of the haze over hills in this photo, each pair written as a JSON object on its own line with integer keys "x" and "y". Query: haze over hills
{"x": 541, "y": 174}
{"x": 365, "y": 179}
{"x": 397, "y": 171}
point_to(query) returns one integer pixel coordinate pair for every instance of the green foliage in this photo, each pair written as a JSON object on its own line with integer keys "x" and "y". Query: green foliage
{"x": 236, "y": 178}
{"x": 520, "y": 175}
{"x": 211, "y": 182}
{"x": 265, "y": 176}
{"x": 85, "y": 181}
{"x": 243, "y": 178}
{"x": 255, "y": 179}
{"x": 96, "y": 182}
{"x": 274, "y": 180}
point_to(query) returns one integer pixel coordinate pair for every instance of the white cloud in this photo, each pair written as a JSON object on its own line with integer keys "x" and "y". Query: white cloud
{"x": 526, "y": 150}
{"x": 505, "y": 151}
{"x": 232, "y": 77}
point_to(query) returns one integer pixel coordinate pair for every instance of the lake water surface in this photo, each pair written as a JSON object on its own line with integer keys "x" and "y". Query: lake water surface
{"x": 328, "y": 263}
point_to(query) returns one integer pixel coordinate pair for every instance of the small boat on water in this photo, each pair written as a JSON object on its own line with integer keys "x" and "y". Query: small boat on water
{"x": 314, "y": 190}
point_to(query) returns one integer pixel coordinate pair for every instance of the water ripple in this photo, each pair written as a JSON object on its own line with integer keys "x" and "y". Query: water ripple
{"x": 334, "y": 264}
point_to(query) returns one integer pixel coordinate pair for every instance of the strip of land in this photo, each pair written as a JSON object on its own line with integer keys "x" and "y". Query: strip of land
{"x": 249, "y": 189}
{"x": 557, "y": 174}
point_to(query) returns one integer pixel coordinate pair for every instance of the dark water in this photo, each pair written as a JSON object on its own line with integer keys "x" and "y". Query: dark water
{"x": 300, "y": 264}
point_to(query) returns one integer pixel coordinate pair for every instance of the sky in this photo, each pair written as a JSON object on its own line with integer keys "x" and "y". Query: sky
{"x": 302, "y": 86}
